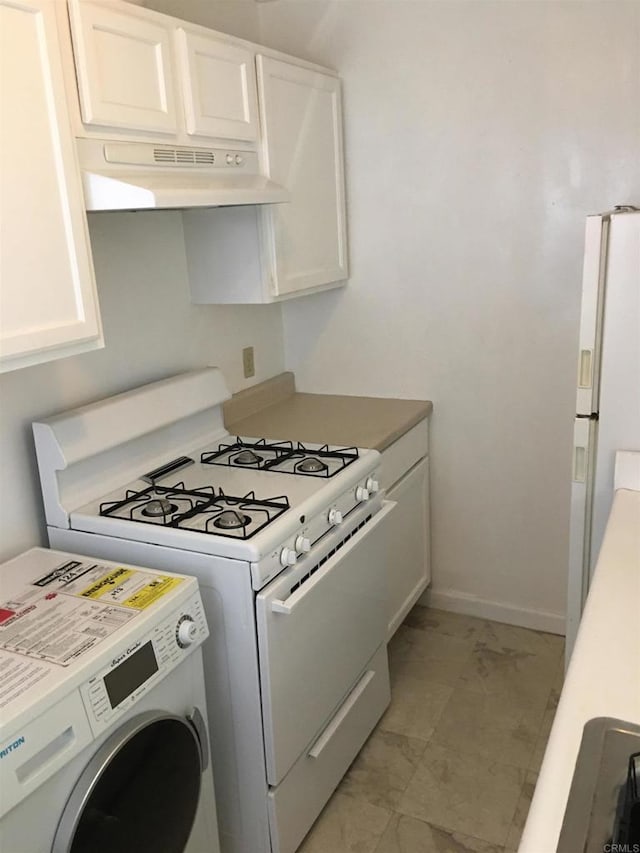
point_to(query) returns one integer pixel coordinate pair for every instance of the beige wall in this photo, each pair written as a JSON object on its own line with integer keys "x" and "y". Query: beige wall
{"x": 478, "y": 136}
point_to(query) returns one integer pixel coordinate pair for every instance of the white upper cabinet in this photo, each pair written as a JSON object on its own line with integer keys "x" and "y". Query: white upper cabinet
{"x": 124, "y": 66}
{"x": 301, "y": 117}
{"x": 218, "y": 86}
{"x": 48, "y": 303}
{"x": 278, "y": 251}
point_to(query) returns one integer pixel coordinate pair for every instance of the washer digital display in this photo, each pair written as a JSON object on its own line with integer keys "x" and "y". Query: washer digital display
{"x": 134, "y": 671}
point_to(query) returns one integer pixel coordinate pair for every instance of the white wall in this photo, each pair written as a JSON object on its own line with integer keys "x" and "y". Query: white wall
{"x": 151, "y": 331}
{"x": 478, "y": 136}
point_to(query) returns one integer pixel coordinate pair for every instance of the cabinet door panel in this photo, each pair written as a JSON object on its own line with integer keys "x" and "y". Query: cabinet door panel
{"x": 408, "y": 543}
{"x": 47, "y": 291}
{"x": 219, "y": 87}
{"x": 300, "y": 111}
{"x": 124, "y": 69}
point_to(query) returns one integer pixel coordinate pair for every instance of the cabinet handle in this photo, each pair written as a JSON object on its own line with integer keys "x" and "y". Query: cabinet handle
{"x": 318, "y": 747}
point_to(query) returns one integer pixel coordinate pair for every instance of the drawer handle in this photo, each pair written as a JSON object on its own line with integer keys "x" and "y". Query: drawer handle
{"x": 336, "y": 722}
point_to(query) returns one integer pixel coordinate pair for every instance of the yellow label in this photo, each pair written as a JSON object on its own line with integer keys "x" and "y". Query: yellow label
{"x": 152, "y": 592}
{"x": 107, "y": 583}
{"x": 130, "y": 588}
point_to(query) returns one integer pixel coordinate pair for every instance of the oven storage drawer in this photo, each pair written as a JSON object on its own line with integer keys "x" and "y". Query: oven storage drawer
{"x": 300, "y": 797}
{"x": 314, "y": 641}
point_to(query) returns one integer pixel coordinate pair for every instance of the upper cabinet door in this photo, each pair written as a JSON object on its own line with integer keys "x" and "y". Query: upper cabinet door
{"x": 219, "y": 87}
{"x": 124, "y": 69}
{"x": 48, "y": 303}
{"x": 300, "y": 111}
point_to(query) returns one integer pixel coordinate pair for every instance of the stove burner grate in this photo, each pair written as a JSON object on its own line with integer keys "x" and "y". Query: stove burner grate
{"x": 200, "y": 510}
{"x": 282, "y": 456}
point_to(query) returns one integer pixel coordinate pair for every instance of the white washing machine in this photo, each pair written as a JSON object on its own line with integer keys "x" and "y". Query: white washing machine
{"x": 103, "y": 727}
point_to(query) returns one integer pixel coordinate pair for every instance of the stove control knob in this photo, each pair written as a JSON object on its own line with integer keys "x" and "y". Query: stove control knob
{"x": 303, "y": 545}
{"x": 372, "y": 485}
{"x": 362, "y": 494}
{"x": 229, "y": 159}
{"x": 187, "y": 632}
{"x": 334, "y": 517}
{"x": 288, "y": 557}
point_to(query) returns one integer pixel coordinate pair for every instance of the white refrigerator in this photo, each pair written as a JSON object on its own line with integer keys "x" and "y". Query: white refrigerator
{"x": 608, "y": 395}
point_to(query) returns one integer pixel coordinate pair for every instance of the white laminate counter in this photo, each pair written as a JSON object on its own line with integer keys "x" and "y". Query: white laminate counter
{"x": 603, "y": 679}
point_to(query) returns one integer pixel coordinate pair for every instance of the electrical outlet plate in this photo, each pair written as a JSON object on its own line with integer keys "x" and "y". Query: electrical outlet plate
{"x": 248, "y": 363}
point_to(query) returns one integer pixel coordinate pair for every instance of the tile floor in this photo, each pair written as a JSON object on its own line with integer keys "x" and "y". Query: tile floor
{"x": 452, "y": 765}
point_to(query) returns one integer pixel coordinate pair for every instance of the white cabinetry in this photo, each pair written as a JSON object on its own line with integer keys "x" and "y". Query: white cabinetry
{"x": 143, "y": 74}
{"x": 251, "y": 255}
{"x": 218, "y": 86}
{"x": 405, "y": 476}
{"x": 124, "y": 67}
{"x": 301, "y": 116}
{"x": 48, "y": 303}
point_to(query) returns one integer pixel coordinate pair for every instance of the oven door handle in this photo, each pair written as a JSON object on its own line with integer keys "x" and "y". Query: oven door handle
{"x": 286, "y": 607}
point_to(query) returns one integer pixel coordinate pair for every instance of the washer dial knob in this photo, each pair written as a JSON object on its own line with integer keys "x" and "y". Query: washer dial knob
{"x": 372, "y": 485}
{"x": 186, "y": 632}
{"x": 288, "y": 557}
{"x": 334, "y": 517}
{"x": 362, "y": 494}
{"x": 303, "y": 545}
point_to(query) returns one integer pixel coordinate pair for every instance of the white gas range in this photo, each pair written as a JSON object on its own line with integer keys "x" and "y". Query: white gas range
{"x": 288, "y": 544}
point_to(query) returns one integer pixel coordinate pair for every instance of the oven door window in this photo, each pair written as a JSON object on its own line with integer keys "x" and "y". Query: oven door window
{"x": 139, "y": 792}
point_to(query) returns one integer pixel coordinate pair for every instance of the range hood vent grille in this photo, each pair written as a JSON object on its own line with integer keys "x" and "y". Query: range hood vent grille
{"x": 184, "y": 156}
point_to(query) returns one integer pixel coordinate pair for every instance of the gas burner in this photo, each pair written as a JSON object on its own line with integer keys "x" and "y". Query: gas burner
{"x": 158, "y": 504}
{"x": 201, "y": 510}
{"x": 237, "y": 517}
{"x": 247, "y": 457}
{"x": 282, "y": 456}
{"x": 323, "y": 461}
{"x": 232, "y": 520}
{"x": 158, "y": 507}
{"x": 310, "y": 465}
{"x": 259, "y": 454}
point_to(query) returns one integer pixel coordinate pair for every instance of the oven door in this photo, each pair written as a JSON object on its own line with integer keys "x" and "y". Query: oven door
{"x": 319, "y": 623}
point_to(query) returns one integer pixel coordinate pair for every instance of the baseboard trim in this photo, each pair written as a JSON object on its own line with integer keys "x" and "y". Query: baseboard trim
{"x": 470, "y": 605}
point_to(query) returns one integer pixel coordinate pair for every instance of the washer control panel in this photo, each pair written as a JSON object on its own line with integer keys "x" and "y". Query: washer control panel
{"x": 142, "y": 661}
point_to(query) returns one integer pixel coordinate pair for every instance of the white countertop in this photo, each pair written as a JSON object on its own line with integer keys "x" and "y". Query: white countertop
{"x": 603, "y": 679}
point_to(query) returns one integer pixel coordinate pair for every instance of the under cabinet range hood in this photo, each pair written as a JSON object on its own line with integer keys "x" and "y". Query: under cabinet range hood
{"x": 149, "y": 176}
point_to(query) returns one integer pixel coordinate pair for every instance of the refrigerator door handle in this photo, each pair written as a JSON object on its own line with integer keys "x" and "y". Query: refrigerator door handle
{"x": 579, "y": 464}
{"x": 585, "y": 368}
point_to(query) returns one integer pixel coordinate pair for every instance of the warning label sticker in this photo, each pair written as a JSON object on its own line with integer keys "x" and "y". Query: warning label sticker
{"x": 124, "y": 587}
{"x": 58, "y": 628}
{"x": 62, "y": 615}
{"x": 18, "y": 676}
